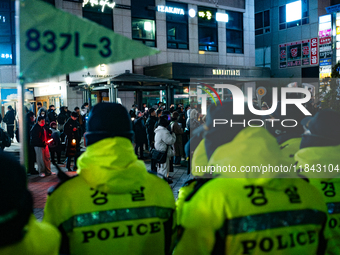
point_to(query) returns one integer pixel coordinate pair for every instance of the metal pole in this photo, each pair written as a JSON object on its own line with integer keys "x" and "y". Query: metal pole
{"x": 21, "y": 94}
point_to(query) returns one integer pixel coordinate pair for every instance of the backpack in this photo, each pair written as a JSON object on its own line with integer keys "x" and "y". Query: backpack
{"x": 5, "y": 139}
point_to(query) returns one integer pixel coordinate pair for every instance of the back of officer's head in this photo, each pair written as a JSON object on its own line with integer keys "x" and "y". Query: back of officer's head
{"x": 16, "y": 201}
{"x": 321, "y": 130}
{"x": 108, "y": 120}
{"x": 218, "y": 134}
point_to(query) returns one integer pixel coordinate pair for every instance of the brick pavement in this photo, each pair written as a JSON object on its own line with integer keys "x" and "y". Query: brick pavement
{"x": 39, "y": 186}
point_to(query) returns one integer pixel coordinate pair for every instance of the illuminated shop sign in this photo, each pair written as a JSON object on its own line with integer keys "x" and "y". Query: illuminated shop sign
{"x": 101, "y": 3}
{"x": 168, "y": 9}
{"x": 205, "y": 15}
{"x": 232, "y": 72}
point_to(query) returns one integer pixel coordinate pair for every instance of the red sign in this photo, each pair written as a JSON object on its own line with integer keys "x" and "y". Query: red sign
{"x": 283, "y": 54}
{"x": 293, "y": 52}
{"x": 326, "y": 40}
{"x": 305, "y": 50}
{"x": 314, "y": 51}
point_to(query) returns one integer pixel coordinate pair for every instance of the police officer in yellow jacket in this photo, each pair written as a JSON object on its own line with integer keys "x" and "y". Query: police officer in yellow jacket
{"x": 20, "y": 232}
{"x": 111, "y": 207}
{"x": 319, "y": 157}
{"x": 241, "y": 210}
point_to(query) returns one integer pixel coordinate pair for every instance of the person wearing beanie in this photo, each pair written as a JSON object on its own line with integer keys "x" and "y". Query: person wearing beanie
{"x": 72, "y": 131}
{"x": 319, "y": 161}
{"x": 111, "y": 206}
{"x": 20, "y": 232}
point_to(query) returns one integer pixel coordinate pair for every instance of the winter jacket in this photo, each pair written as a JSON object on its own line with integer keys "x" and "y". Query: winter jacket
{"x": 115, "y": 209}
{"x": 56, "y": 139}
{"x": 163, "y": 138}
{"x": 9, "y": 117}
{"x": 40, "y": 239}
{"x": 38, "y": 136}
{"x": 321, "y": 165}
{"x": 52, "y": 116}
{"x": 62, "y": 117}
{"x": 140, "y": 130}
{"x": 150, "y": 125}
{"x": 71, "y": 147}
{"x": 178, "y": 147}
{"x": 251, "y": 212}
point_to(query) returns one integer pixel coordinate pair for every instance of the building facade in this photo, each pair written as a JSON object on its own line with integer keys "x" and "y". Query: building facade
{"x": 215, "y": 37}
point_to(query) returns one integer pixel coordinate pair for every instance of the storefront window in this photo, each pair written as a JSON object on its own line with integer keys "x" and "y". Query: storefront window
{"x": 181, "y": 96}
{"x": 177, "y": 27}
{"x": 7, "y": 33}
{"x": 207, "y": 29}
{"x": 289, "y": 17}
{"x": 96, "y": 14}
{"x": 143, "y": 21}
{"x": 234, "y": 32}
{"x": 144, "y": 30}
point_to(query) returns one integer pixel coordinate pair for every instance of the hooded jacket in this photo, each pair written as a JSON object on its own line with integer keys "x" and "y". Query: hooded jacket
{"x": 324, "y": 162}
{"x": 111, "y": 207}
{"x": 40, "y": 239}
{"x": 163, "y": 138}
{"x": 250, "y": 212}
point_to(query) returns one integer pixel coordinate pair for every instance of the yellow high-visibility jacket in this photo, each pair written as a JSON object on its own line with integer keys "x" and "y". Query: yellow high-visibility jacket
{"x": 40, "y": 239}
{"x": 114, "y": 206}
{"x": 290, "y": 147}
{"x": 257, "y": 214}
{"x": 328, "y": 158}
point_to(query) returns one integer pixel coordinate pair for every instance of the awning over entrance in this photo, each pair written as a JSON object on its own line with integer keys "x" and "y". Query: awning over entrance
{"x": 133, "y": 82}
{"x": 185, "y": 72}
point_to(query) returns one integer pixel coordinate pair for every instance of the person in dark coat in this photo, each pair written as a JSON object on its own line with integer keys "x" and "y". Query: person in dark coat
{"x": 140, "y": 134}
{"x": 55, "y": 145}
{"x": 51, "y": 114}
{"x": 62, "y": 118}
{"x": 72, "y": 132}
{"x": 9, "y": 120}
{"x": 39, "y": 142}
{"x": 43, "y": 113}
{"x": 0, "y": 118}
{"x": 150, "y": 130}
{"x": 150, "y": 127}
{"x": 30, "y": 121}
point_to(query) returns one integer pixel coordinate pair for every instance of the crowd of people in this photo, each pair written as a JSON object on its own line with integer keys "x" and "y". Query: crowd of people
{"x": 114, "y": 205}
{"x": 48, "y": 135}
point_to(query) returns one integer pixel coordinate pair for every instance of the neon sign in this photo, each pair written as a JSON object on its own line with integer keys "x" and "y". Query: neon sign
{"x": 102, "y": 3}
{"x": 168, "y": 9}
{"x": 205, "y": 15}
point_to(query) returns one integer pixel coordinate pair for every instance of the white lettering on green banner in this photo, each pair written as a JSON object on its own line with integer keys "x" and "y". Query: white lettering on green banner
{"x": 53, "y": 42}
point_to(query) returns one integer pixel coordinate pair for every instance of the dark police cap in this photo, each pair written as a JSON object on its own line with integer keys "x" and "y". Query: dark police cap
{"x": 108, "y": 120}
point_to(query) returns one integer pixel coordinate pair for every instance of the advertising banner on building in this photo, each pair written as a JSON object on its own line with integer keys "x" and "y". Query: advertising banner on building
{"x": 314, "y": 51}
{"x": 325, "y": 40}
{"x": 325, "y": 33}
{"x": 298, "y": 53}
{"x": 305, "y": 52}
{"x": 283, "y": 55}
{"x": 325, "y": 62}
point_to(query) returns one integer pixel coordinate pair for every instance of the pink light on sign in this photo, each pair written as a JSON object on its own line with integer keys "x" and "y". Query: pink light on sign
{"x": 325, "y": 33}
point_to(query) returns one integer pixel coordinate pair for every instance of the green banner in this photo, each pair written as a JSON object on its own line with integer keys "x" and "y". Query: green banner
{"x": 54, "y": 42}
